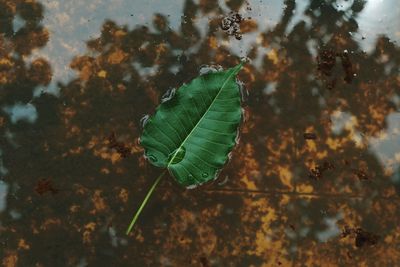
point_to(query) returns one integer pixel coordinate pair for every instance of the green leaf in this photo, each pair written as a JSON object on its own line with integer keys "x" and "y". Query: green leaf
{"x": 193, "y": 133}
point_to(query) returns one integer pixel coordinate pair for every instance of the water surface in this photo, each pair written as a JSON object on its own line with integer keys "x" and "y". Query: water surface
{"x": 314, "y": 180}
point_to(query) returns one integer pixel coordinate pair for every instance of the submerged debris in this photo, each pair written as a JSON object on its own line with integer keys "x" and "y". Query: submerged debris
{"x": 318, "y": 171}
{"x": 231, "y": 25}
{"x": 347, "y": 67}
{"x": 326, "y": 61}
{"x": 310, "y": 136}
{"x": 361, "y": 237}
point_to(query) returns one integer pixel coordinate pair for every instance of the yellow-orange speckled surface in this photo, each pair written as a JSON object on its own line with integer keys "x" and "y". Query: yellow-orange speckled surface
{"x": 314, "y": 180}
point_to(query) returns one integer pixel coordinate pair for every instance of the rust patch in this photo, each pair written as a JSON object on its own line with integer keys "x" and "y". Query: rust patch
{"x": 123, "y": 150}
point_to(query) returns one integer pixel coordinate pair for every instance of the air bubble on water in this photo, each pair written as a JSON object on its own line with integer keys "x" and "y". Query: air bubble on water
{"x": 245, "y": 59}
{"x": 237, "y": 138}
{"x": 144, "y": 120}
{"x": 216, "y": 174}
{"x": 224, "y": 181}
{"x": 168, "y": 95}
{"x": 229, "y": 156}
{"x": 243, "y": 111}
{"x": 205, "y": 69}
{"x": 192, "y": 186}
{"x": 244, "y": 94}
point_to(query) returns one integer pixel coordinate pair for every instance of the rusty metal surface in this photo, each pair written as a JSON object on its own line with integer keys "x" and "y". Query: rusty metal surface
{"x": 314, "y": 180}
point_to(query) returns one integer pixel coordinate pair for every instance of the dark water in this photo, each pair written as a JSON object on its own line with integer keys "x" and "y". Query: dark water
{"x": 314, "y": 181}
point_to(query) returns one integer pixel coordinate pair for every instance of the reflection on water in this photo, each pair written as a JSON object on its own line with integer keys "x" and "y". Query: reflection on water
{"x": 20, "y": 112}
{"x": 314, "y": 180}
{"x": 3, "y": 195}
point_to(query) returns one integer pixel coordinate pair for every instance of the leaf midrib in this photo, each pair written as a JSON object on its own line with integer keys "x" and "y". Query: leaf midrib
{"x": 204, "y": 114}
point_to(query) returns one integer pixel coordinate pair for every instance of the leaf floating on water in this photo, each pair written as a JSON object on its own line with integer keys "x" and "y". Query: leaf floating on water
{"x": 196, "y": 128}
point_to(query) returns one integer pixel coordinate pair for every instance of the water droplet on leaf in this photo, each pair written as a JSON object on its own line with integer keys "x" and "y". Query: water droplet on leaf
{"x": 204, "y": 175}
{"x": 244, "y": 93}
{"x": 237, "y": 138}
{"x": 177, "y": 156}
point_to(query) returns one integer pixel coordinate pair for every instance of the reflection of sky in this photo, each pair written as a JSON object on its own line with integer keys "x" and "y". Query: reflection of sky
{"x": 379, "y": 17}
{"x": 387, "y": 146}
{"x": 21, "y": 112}
{"x": 331, "y": 229}
{"x": 72, "y": 23}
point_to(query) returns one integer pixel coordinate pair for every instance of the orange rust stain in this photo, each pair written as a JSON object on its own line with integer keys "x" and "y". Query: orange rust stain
{"x": 273, "y": 56}
{"x": 250, "y": 168}
{"x": 285, "y": 176}
{"x": 334, "y": 144}
{"x": 5, "y": 62}
{"x": 120, "y": 33}
{"x": 117, "y": 57}
{"x": 105, "y": 171}
{"x": 74, "y": 208}
{"x": 50, "y": 222}
{"x": 80, "y": 190}
{"x": 161, "y": 49}
{"x": 102, "y": 74}
{"x": 10, "y": 259}
{"x": 98, "y": 202}
{"x": 213, "y": 42}
{"x": 123, "y": 195}
{"x": 23, "y": 245}
{"x": 248, "y": 26}
{"x": 207, "y": 238}
{"x": 303, "y": 188}
{"x": 87, "y": 233}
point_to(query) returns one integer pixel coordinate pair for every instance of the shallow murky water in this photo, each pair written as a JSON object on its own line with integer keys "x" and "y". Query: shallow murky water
{"x": 314, "y": 180}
